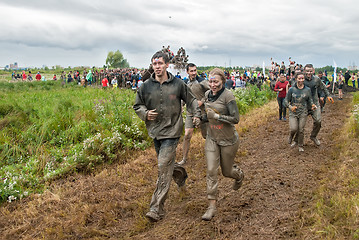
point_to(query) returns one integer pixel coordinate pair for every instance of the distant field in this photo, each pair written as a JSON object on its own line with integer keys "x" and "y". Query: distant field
{"x": 7, "y": 77}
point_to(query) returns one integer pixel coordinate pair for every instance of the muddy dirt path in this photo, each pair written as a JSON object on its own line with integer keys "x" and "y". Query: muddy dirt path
{"x": 279, "y": 184}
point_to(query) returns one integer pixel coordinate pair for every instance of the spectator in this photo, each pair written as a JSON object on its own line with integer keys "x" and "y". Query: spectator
{"x": 353, "y": 80}
{"x": 104, "y": 82}
{"x": 29, "y": 77}
{"x": 69, "y": 77}
{"x": 38, "y": 76}
{"x": 347, "y": 77}
{"x": 24, "y": 76}
{"x": 140, "y": 82}
{"x": 114, "y": 83}
{"x": 229, "y": 83}
{"x": 134, "y": 85}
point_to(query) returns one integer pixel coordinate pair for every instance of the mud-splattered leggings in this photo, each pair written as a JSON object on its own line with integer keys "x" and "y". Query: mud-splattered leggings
{"x": 296, "y": 126}
{"x": 219, "y": 156}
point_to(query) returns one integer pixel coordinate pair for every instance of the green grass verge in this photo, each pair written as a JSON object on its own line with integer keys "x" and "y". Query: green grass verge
{"x": 335, "y": 213}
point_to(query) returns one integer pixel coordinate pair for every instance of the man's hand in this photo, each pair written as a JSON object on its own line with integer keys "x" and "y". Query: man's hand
{"x": 321, "y": 100}
{"x": 211, "y": 114}
{"x": 196, "y": 122}
{"x": 200, "y": 103}
{"x": 280, "y": 89}
{"x": 293, "y": 108}
{"x": 330, "y": 99}
{"x": 314, "y": 107}
{"x": 152, "y": 115}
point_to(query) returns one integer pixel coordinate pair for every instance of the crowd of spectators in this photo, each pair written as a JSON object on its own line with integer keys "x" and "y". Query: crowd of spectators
{"x": 133, "y": 77}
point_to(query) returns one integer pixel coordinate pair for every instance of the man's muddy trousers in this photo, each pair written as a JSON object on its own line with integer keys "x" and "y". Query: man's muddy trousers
{"x": 166, "y": 155}
{"x": 219, "y": 156}
{"x": 317, "y": 121}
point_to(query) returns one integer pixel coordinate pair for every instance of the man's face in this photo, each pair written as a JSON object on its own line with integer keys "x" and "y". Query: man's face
{"x": 282, "y": 78}
{"x": 320, "y": 75}
{"x": 192, "y": 72}
{"x": 309, "y": 73}
{"x": 159, "y": 66}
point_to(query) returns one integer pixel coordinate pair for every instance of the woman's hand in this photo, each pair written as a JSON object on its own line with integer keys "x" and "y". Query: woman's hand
{"x": 211, "y": 114}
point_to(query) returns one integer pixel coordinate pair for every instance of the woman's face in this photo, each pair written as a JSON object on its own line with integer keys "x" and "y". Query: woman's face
{"x": 215, "y": 83}
{"x": 300, "y": 80}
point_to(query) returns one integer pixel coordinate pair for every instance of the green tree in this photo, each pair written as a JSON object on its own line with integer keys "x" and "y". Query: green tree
{"x": 116, "y": 60}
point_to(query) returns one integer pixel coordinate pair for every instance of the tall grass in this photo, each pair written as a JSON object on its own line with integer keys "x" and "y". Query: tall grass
{"x": 48, "y": 130}
{"x": 251, "y": 97}
{"x": 335, "y": 214}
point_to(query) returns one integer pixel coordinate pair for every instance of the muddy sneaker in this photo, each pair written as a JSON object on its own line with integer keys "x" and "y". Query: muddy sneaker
{"x": 289, "y": 140}
{"x": 315, "y": 140}
{"x": 301, "y": 149}
{"x": 238, "y": 182}
{"x": 293, "y": 144}
{"x": 284, "y": 119}
{"x": 183, "y": 162}
{"x": 152, "y": 216}
{"x": 211, "y": 211}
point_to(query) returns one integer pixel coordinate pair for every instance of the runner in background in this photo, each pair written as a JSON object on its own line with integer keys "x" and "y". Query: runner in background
{"x": 298, "y": 100}
{"x": 282, "y": 88}
{"x": 198, "y": 89}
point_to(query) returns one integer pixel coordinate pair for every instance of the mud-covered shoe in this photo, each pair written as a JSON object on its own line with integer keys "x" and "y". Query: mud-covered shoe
{"x": 209, "y": 214}
{"x": 238, "y": 182}
{"x": 315, "y": 140}
{"x": 300, "y": 149}
{"x": 289, "y": 140}
{"x": 153, "y": 217}
{"x": 293, "y": 144}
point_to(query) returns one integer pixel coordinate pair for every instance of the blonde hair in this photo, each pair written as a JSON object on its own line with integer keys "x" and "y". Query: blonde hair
{"x": 219, "y": 72}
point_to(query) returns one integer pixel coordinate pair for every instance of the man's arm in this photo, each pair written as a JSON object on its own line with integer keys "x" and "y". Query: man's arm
{"x": 324, "y": 91}
{"x": 191, "y": 102}
{"x": 139, "y": 106}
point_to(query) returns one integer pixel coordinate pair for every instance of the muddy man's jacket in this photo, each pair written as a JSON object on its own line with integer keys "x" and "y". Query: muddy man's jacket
{"x": 166, "y": 99}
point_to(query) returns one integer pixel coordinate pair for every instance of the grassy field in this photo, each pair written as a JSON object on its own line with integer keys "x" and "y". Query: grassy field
{"x": 48, "y": 130}
{"x": 335, "y": 212}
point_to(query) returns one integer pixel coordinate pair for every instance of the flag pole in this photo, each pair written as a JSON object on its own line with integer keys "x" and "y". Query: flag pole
{"x": 334, "y": 75}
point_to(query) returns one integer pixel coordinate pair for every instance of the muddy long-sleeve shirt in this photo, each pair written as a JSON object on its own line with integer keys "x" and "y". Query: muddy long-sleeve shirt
{"x": 301, "y": 98}
{"x": 166, "y": 99}
{"x": 222, "y": 130}
{"x": 199, "y": 89}
{"x": 317, "y": 88}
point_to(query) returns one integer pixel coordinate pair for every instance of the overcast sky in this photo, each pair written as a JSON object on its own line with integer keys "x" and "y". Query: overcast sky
{"x": 213, "y": 32}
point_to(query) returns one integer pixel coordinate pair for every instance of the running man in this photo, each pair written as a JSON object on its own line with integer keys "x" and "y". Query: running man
{"x": 198, "y": 89}
{"x": 317, "y": 88}
{"x": 158, "y": 104}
